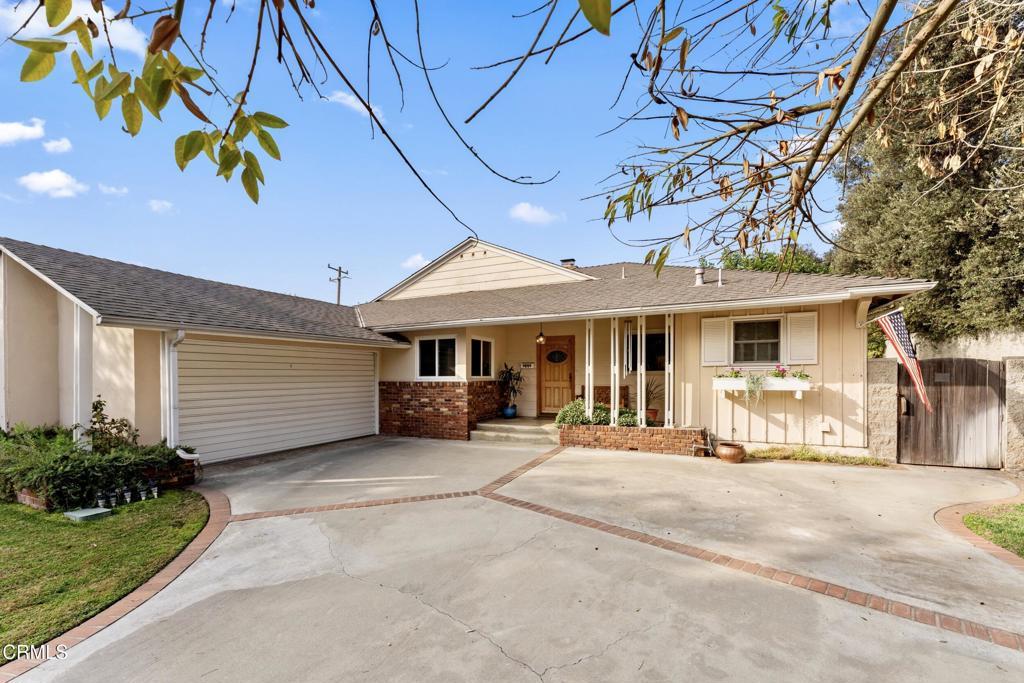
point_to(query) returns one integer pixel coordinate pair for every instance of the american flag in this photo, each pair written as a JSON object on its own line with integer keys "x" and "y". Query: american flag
{"x": 895, "y": 328}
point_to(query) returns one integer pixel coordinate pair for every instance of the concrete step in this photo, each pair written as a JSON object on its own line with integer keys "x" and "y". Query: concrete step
{"x": 513, "y": 427}
{"x": 512, "y": 437}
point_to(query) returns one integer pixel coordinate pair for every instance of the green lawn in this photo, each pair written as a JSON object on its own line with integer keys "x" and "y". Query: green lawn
{"x": 805, "y": 454}
{"x": 1003, "y": 525}
{"x": 55, "y": 573}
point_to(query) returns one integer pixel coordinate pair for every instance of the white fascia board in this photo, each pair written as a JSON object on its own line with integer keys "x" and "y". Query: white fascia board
{"x": 27, "y": 266}
{"x": 231, "y": 332}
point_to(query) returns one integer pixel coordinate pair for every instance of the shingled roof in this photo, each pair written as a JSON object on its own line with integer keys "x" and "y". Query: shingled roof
{"x": 129, "y": 294}
{"x": 629, "y": 288}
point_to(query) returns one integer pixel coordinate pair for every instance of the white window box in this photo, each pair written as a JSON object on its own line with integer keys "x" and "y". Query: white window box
{"x": 797, "y": 386}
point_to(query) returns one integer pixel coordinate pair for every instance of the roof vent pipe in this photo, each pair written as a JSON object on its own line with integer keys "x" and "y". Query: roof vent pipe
{"x": 569, "y": 263}
{"x": 699, "y": 273}
{"x": 719, "y": 276}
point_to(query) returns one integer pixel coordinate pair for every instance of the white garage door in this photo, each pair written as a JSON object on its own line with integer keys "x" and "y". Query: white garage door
{"x": 239, "y": 399}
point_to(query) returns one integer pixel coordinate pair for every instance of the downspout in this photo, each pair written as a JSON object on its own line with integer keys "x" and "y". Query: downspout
{"x": 172, "y": 388}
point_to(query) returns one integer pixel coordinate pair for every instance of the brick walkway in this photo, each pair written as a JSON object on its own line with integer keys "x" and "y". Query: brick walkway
{"x": 220, "y": 516}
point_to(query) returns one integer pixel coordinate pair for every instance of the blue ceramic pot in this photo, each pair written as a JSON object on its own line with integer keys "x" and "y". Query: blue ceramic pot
{"x": 509, "y": 411}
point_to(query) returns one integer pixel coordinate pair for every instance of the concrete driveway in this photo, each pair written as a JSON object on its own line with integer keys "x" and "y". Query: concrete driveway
{"x": 479, "y": 588}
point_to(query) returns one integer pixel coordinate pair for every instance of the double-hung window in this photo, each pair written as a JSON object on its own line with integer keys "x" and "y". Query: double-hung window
{"x": 757, "y": 341}
{"x": 435, "y": 357}
{"x": 481, "y": 361}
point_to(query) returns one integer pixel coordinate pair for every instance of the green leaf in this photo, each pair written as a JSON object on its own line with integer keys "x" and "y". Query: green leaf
{"x": 269, "y": 120}
{"x": 49, "y": 45}
{"x": 598, "y": 13}
{"x": 37, "y": 66}
{"x": 131, "y": 110}
{"x": 229, "y": 159}
{"x": 253, "y": 163}
{"x": 267, "y": 143}
{"x": 57, "y": 11}
{"x": 102, "y": 105}
{"x": 82, "y": 31}
{"x": 145, "y": 96}
{"x": 251, "y": 185}
{"x": 81, "y": 76}
{"x": 242, "y": 127}
{"x": 210, "y": 141}
{"x": 187, "y": 147}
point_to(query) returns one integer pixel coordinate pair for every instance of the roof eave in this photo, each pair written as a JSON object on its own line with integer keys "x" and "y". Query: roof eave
{"x": 160, "y": 325}
{"x": 833, "y": 297}
{"x": 30, "y": 268}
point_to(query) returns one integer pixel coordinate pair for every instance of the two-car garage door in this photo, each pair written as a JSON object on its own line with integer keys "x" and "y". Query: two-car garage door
{"x": 237, "y": 399}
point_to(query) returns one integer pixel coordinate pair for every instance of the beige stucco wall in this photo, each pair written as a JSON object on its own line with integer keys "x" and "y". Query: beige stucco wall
{"x": 113, "y": 370}
{"x": 1013, "y": 458}
{"x": 883, "y": 408}
{"x": 990, "y": 346}
{"x": 147, "y": 385}
{"x": 30, "y": 348}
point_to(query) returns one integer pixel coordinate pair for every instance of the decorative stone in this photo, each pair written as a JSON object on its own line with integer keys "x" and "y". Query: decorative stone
{"x": 87, "y": 514}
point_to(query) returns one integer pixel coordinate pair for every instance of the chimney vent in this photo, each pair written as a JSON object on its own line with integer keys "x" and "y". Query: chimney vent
{"x": 699, "y": 277}
{"x": 569, "y": 263}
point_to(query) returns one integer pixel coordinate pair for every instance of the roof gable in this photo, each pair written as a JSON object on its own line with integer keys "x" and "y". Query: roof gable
{"x": 474, "y": 265}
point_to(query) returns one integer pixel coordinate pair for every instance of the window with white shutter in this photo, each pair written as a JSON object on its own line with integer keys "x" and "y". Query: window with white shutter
{"x": 802, "y": 338}
{"x": 714, "y": 341}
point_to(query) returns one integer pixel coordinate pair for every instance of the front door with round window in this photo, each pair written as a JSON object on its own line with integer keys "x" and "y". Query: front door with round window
{"x": 556, "y": 373}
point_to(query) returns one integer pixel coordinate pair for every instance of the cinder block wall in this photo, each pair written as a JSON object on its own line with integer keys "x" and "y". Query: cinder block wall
{"x": 882, "y": 408}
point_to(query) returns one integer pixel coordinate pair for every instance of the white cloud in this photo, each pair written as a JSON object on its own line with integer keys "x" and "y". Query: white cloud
{"x": 123, "y": 34}
{"x": 55, "y": 183}
{"x": 537, "y": 215}
{"x": 415, "y": 261}
{"x": 16, "y": 131}
{"x": 112, "y": 189}
{"x": 58, "y": 146}
{"x": 352, "y": 102}
{"x": 160, "y": 205}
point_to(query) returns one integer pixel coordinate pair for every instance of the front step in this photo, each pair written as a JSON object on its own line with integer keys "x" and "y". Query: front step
{"x": 513, "y": 432}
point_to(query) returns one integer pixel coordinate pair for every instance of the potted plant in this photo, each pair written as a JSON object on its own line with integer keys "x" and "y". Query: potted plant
{"x": 652, "y": 393}
{"x": 730, "y": 451}
{"x": 510, "y": 382}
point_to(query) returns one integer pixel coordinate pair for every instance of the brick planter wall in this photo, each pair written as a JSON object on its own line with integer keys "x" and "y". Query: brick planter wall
{"x": 184, "y": 475}
{"x": 484, "y": 402}
{"x": 435, "y": 410}
{"x": 648, "y": 439}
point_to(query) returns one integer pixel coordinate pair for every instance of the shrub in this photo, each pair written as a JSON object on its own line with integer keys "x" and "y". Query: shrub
{"x": 574, "y": 413}
{"x": 49, "y": 461}
{"x": 627, "y": 418}
{"x": 602, "y": 415}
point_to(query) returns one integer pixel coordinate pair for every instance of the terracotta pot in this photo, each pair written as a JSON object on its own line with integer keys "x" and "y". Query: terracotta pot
{"x": 730, "y": 451}
{"x": 652, "y": 415}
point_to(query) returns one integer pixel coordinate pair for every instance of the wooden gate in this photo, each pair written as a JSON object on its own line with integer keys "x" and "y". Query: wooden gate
{"x": 966, "y": 428}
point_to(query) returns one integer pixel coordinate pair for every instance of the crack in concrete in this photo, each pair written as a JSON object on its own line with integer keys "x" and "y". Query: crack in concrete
{"x": 604, "y": 650}
{"x": 419, "y": 598}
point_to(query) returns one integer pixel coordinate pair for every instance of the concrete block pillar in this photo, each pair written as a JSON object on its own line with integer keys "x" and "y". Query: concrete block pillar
{"x": 883, "y": 407}
{"x": 1013, "y": 453}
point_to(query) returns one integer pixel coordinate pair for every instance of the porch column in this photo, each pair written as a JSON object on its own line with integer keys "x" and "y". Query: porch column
{"x": 641, "y": 369}
{"x": 613, "y": 357}
{"x": 670, "y": 372}
{"x": 588, "y": 369}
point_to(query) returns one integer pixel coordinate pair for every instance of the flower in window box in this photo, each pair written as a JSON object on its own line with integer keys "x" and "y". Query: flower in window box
{"x": 779, "y": 371}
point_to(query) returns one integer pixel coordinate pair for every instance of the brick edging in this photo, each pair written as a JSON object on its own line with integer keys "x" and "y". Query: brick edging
{"x": 951, "y": 519}
{"x": 903, "y": 610}
{"x": 247, "y": 516}
{"x": 220, "y": 515}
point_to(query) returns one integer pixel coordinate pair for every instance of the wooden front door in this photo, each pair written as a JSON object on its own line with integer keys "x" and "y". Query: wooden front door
{"x": 965, "y": 429}
{"x": 555, "y": 363}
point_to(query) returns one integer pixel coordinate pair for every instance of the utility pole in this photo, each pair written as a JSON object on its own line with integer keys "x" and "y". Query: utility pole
{"x": 339, "y": 276}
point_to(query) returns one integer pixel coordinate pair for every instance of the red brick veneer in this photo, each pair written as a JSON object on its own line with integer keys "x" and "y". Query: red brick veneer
{"x": 647, "y": 439}
{"x": 484, "y": 402}
{"x": 436, "y": 410}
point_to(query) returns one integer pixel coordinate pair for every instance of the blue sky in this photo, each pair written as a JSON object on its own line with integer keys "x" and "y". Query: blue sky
{"x": 337, "y": 195}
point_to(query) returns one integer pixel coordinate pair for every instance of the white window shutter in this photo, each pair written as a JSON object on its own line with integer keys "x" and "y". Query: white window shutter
{"x": 714, "y": 341}
{"x": 802, "y": 338}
